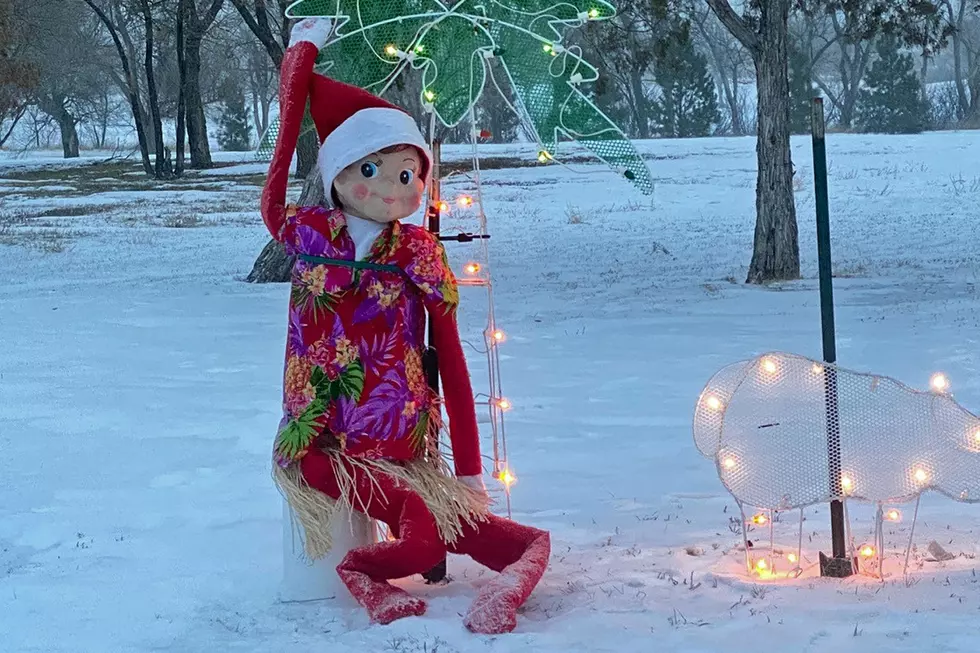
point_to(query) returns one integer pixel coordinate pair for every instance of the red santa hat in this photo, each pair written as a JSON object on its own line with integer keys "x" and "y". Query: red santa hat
{"x": 353, "y": 123}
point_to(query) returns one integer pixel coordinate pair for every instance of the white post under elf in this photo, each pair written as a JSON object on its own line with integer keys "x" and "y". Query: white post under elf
{"x": 359, "y": 418}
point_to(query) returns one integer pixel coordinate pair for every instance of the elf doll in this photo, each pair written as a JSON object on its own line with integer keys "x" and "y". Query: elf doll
{"x": 359, "y": 418}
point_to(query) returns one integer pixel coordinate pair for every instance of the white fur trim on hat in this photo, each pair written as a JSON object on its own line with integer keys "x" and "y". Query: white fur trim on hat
{"x": 364, "y": 133}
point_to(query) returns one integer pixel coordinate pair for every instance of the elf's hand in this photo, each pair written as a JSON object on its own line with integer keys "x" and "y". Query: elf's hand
{"x": 473, "y": 483}
{"x": 311, "y": 30}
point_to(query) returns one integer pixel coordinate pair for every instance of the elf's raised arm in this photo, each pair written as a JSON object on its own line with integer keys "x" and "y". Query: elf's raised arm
{"x": 305, "y": 41}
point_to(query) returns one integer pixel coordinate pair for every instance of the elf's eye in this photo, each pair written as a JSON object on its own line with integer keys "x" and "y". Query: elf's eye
{"x": 369, "y": 169}
{"x": 407, "y": 176}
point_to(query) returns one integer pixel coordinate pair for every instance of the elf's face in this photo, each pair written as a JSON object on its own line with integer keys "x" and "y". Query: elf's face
{"x": 384, "y": 186}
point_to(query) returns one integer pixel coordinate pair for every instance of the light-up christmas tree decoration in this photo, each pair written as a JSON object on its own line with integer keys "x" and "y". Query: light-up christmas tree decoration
{"x": 452, "y": 42}
{"x": 764, "y": 423}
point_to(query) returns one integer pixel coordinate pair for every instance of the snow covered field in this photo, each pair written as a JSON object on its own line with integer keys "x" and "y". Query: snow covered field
{"x": 140, "y": 390}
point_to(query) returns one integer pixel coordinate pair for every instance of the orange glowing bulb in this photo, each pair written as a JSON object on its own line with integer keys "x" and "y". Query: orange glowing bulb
{"x": 443, "y": 207}
{"x": 867, "y": 551}
{"x": 920, "y": 475}
{"x": 761, "y": 565}
{"x": 503, "y": 404}
{"x": 760, "y": 519}
{"x": 976, "y": 436}
{"x": 465, "y": 201}
{"x": 769, "y": 365}
{"x": 846, "y": 483}
{"x": 939, "y": 382}
{"x": 498, "y": 335}
{"x": 714, "y": 403}
{"x": 391, "y": 50}
{"x": 507, "y": 478}
{"x": 729, "y": 463}
{"x": 893, "y": 515}
{"x": 792, "y": 557}
{"x": 472, "y": 268}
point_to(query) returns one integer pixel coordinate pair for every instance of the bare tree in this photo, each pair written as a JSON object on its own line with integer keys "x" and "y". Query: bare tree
{"x": 18, "y": 76}
{"x": 66, "y": 51}
{"x": 112, "y": 18}
{"x": 730, "y": 60}
{"x": 194, "y": 25}
{"x": 776, "y": 252}
{"x": 962, "y": 16}
{"x": 271, "y": 28}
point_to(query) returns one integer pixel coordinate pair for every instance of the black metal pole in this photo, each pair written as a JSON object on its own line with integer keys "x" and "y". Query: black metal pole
{"x": 839, "y": 565}
{"x": 430, "y": 360}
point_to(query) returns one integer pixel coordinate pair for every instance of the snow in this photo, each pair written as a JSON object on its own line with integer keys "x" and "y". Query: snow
{"x": 140, "y": 388}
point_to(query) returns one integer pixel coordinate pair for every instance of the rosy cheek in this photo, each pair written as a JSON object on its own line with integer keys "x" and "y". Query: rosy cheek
{"x": 361, "y": 192}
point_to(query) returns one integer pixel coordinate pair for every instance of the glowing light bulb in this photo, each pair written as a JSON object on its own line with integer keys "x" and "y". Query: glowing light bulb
{"x": 465, "y": 201}
{"x": 713, "y": 402}
{"x": 391, "y": 50}
{"x": 976, "y": 436}
{"x": 544, "y": 156}
{"x": 472, "y": 269}
{"x": 846, "y": 483}
{"x": 893, "y": 515}
{"x": 761, "y": 565}
{"x": 498, "y": 335}
{"x": 507, "y": 478}
{"x": 419, "y": 49}
{"x": 920, "y": 475}
{"x": 760, "y": 519}
{"x": 867, "y": 551}
{"x": 430, "y": 95}
{"x": 939, "y": 382}
{"x": 769, "y": 365}
{"x": 547, "y": 47}
{"x": 792, "y": 557}
{"x": 729, "y": 463}
{"x": 504, "y": 404}
{"x": 593, "y": 13}
{"x": 816, "y": 368}
{"x": 443, "y": 207}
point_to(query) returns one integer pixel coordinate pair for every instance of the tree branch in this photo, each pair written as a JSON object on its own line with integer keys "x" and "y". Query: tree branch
{"x": 260, "y": 28}
{"x": 736, "y": 25}
{"x": 211, "y": 14}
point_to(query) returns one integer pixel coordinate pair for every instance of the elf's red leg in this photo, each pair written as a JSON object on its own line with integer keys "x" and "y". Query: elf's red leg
{"x": 520, "y": 553}
{"x": 367, "y": 570}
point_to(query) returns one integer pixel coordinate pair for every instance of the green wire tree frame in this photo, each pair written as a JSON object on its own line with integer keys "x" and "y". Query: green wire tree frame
{"x": 452, "y": 43}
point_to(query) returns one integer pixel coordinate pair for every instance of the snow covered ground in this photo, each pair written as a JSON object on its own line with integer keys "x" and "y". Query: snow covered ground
{"x": 140, "y": 385}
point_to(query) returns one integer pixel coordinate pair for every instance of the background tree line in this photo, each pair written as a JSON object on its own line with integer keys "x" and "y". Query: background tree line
{"x": 184, "y": 75}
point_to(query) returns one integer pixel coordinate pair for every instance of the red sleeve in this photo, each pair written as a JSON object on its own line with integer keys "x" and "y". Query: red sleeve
{"x": 464, "y": 434}
{"x": 294, "y": 84}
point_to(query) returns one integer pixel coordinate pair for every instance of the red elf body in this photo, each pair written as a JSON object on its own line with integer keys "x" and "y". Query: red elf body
{"x": 359, "y": 419}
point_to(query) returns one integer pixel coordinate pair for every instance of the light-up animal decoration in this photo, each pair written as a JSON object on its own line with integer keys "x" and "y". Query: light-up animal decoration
{"x": 787, "y": 432}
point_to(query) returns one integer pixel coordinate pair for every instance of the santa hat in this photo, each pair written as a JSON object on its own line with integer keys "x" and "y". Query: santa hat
{"x": 352, "y": 123}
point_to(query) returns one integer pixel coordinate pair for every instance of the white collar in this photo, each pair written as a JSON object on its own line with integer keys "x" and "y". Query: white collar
{"x": 363, "y": 232}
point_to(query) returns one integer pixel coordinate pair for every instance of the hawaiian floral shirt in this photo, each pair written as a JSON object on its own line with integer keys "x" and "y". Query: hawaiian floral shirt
{"x": 353, "y": 374}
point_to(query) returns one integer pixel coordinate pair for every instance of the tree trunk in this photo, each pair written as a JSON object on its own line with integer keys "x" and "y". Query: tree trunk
{"x": 197, "y": 127}
{"x": 181, "y": 100}
{"x": 306, "y": 151}
{"x": 162, "y": 169}
{"x": 776, "y": 253}
{"x": 69, "y": 135}
{"x": 273, "y": 266}
{"x": 54, "y": 106}
{"x": 640, "y": 104}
